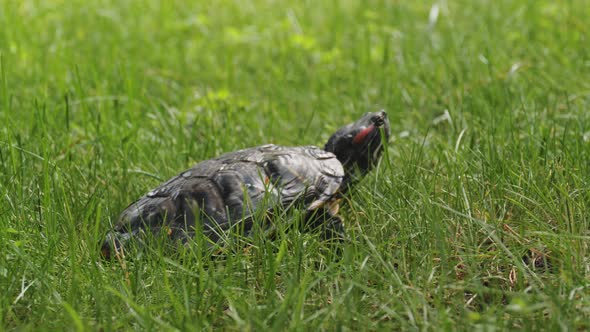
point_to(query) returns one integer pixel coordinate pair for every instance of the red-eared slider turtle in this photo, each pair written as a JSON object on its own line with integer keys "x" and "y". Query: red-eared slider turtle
{"x": 218, "y": 194}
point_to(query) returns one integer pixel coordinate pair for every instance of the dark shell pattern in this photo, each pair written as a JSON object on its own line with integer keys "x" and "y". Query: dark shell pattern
{"x": 232, "y": 188}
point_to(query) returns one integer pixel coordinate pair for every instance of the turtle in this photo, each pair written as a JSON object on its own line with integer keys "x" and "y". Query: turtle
{"x": 217, "y": 195}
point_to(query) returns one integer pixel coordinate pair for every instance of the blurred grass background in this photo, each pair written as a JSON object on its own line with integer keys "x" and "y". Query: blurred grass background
{"x": 476, "y": 219}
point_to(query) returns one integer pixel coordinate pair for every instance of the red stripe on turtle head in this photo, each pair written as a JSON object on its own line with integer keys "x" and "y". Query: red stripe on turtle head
{"x": 360, "y": 137}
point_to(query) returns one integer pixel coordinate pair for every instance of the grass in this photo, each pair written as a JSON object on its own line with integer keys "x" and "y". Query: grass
{"x": 477, "y": 218}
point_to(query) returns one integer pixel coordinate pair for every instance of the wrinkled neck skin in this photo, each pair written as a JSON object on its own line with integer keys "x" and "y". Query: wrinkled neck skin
{"x": 356, "y": 170}
{"x": 351, "y": 178}
{"x": 358, "y": 161}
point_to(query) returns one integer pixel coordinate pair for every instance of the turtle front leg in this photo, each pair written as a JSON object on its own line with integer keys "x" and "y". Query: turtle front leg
{"x": 333, "y": 229}
{"x": 326, "y": 220}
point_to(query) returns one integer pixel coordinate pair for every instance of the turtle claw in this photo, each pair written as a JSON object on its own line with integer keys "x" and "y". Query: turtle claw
{"x": 333, "y": 230}
{"x": 327, "y": 222}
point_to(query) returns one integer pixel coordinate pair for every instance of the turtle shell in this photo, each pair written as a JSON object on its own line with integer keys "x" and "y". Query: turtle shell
{"x": 221, "y": 192}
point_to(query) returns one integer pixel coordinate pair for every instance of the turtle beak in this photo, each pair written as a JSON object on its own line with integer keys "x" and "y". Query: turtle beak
{"x": 379, "y": 119}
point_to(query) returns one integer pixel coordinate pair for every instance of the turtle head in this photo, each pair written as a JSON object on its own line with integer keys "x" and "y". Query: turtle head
{"x": 359, "y": 145}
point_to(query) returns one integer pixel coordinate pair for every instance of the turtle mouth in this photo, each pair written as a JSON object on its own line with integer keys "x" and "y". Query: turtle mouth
{"x": 378, "y": 120}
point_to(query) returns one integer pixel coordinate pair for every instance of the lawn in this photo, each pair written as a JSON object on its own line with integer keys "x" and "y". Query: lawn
{"x": 476, "y": 219}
